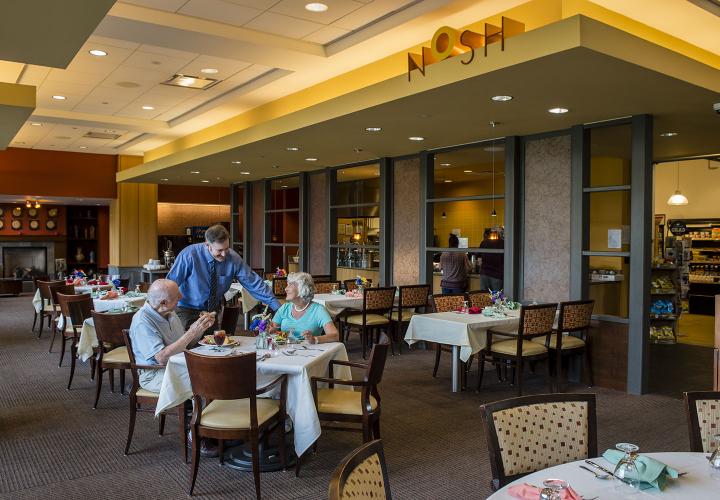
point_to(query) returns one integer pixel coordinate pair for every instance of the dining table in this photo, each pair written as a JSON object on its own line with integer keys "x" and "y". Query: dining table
{"x": 307, "y": 361}
{"x": 37, "y": 299}
{"x": 464, "y": 332}
{"x": 337, "y": 303}
{"x": 699, "y": 481}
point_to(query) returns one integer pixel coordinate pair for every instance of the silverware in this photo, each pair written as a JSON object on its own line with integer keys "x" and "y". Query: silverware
{"x": 597, "y": 476}
{"x": 598, "y": 466}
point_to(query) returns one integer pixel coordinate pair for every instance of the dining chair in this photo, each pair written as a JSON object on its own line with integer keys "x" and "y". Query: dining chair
{"x": 278, "y": 287}
{"x": 36, "y": 287}
{"x": 111, "y": 351}
{"x": 571, "y": 336}
{"x": 376, "y": 308}
{"x": 233, "y": 410}
{"x": 75, "y": 310}
{"x": 535, "y": 321}
{"x": 479, "y": 298}
{"x": 144, "y": 286}
{"x": 531, "y": 433}
{"x": 702, "y": 409}
{"x": 229, "y": 318}
{"x": 351, "y": 284}
{"x": 53, "y": 290}
{"x": 356, "y": 407}
{"x": 447, "y": 303}
{"x": 327, "y": 286}
{"x": 410, "y": 298}
{"x": 48, "y": 308}
{"x": 139, "y": 397}
{"x": 361, "y": 474}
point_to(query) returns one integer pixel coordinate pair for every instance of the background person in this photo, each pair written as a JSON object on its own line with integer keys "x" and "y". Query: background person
{"x": 492, "y": 264}
{"x": 454, "y": 266}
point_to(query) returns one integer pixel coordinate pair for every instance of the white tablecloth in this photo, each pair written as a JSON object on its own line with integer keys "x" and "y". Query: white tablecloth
{"x": 247, "y": 300}
{"x": 37, "y": 300}
{"x": 464, "y": 330}
{"x": 698, "y": 484}
{"x": 335, "y": 304}
{"x": 101, "y": 305}
{"x": 176, "y": 386}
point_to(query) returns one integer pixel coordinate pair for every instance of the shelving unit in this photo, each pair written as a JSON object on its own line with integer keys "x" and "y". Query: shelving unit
{"x": 666, "y": 304}
{"x": 82, "y": 234}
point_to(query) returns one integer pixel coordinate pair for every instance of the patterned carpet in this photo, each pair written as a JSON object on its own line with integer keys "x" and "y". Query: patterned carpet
{"x": 54, "y": 445}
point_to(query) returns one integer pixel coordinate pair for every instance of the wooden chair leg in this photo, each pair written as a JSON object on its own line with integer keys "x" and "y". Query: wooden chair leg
{"x": 363, "y": 341}
{"x": 183, "y": 431}
{"x": 376, "y": 428}
{"x": 297, "y": 465}
{"x": 195, "y": 460}
{"x": 281, "y": 445}
{"x": 587, "y": 362}
{"x": 438, "y": 351}
{"x": 35, "y": 316}
{"x": 62, "y": 352}
{"x": 111, "y": 377}
{"x": 73, "y": 358}
{"x": 481, "y": 369}
{"x": 255, "y": 463}
{"x": 92, "y": 368}
{"x": 98, "y": 383}
{"x": 560, "y": 377}
{"x": 161, "y": 424}
{"x": 548, "y": 375}
{"x": 122, "y": 381}
{"x": 131, "y": 426}
{"x": 366, "y": 431}
{"x": 519, "y": 364}
{"x": 221, "y": 451}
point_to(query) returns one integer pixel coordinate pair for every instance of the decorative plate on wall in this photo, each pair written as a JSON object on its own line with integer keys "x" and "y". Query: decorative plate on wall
{"x": 32, "y": 212}
{"x": 1, "y": 211}
{"x": 52, "y": 212}
{"x": 50, "y": 225}
{"x": 2, "y": 224}
{"x": 17, "y": 212}
{"x": 16, "y": 224}
{"x": 34, "y": 224}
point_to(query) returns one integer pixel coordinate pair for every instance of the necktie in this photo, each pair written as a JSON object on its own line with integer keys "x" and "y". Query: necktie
{"x": 213, "y": 287}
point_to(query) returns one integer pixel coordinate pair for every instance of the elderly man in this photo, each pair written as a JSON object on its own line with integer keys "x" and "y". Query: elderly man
{"x": 157, "y": 333}
{"x": 205, "y": 271}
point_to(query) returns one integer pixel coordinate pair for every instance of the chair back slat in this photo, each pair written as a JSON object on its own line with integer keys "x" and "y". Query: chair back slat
{"x": 61, "y": 287}
{"x": 378, "y": 300}
{"x": 44, "y": 287}
{"x": 537, "y": 320}
{"x": 376, "y": 363}
{"x": 109, "y": 327}
{"x": 361, "y": 474}
{"x": 702, "y": 409}
{"x": 77, "y": 307}
{"x": 413, "y": 296}
{"x": 575, "y": 315}
{"x": 478, "y": 298}
{"x": 326, "y": 286}
{"x": 447, "y": 303}
{"x": 222, "y": 377}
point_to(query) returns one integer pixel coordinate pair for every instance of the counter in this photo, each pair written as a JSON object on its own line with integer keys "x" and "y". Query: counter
{"x": 473, "y": 282}
{"x": 345, "y": 273}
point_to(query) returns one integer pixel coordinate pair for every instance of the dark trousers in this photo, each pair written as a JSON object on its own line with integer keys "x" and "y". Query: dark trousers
{"x": 452, "y": 291}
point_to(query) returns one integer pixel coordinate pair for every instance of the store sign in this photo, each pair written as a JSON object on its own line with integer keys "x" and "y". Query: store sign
{"x": 678, "y": 228}
{"x": 449, "y": 42}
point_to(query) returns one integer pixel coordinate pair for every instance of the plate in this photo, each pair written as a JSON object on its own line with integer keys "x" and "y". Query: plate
{"x": 2, "y": 224}
{"x": 50, "y": 225}
{"x": 229, "y": 342}
{"x": 52, "y": 212}
{"x": 16, "y": 224}
{"x": 2, "y": 211}
{"x": 32, "y": 212}
{"x": 17, "y": 212}
{"x": 34, "y": 224}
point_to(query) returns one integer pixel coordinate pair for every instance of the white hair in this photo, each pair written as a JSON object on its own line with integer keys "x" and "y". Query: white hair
{"x": 162, "y": 289}
{"x": 305, "y": 285}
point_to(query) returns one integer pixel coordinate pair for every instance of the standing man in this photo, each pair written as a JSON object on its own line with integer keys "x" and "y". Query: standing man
{"x": 204, "y": 272}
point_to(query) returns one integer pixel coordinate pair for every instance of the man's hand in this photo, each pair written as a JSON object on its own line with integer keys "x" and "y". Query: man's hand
{"x": 205, "y": 321}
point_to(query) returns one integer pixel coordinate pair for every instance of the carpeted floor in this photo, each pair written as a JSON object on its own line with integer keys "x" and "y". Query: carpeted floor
{"x": 53, "y": 445}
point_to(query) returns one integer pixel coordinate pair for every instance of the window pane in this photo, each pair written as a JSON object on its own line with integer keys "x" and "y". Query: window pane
{"x": 285, "y": 193}
{"x": 610, "y": 221}
{"x": 358, "y": 185}
{"x": 469, "y": 171}
{"x": 609, "y": 285}
{"x": 471, "y": 219}
{"x": 284, "y": 227}
{"x": 610, "y": 154}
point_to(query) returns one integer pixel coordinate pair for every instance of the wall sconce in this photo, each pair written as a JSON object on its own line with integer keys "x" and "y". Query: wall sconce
{"x": 444, "y": 215}
{"x": 37, "y": 204}
{"x": 28, "y": 204}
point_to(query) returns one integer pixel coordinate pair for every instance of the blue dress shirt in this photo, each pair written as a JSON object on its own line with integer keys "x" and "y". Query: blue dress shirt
{"x": 191, "y": 271}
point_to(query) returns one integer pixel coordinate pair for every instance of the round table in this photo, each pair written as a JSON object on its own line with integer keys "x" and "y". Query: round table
{"x": 701, "y": 481}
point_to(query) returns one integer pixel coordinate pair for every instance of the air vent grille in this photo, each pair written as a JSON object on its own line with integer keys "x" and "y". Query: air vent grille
{"x": 102, "y": 135}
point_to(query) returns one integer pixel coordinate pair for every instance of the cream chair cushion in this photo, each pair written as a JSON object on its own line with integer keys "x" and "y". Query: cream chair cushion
{"x": 510, "y": 347}
{"x": 117, "y": 355}
{"x": 342, "y": 401}
{"x": 144, "y": 393}
{"x": 366, "y": 480}
{"x": 568, "y": 341}
{"x": 48, "y": 308}
{"x": 406, "y": 315}
{"x": 235, "y": 413}
{"x": 372, "y": 320}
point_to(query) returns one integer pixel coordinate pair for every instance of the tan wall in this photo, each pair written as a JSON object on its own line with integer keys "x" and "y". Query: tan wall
{"x": 406, "y": 222}
{"x": 173, "y": 218}
{"x": 700, "y": 184}
{"x": 318, "y": 220}
{"x": 546, "y": 264}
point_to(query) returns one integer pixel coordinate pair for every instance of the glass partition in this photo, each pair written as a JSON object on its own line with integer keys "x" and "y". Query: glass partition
{"x": 282, "y": 214}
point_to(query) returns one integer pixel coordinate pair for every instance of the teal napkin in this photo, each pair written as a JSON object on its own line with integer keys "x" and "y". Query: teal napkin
{"x": 649, "y": 470}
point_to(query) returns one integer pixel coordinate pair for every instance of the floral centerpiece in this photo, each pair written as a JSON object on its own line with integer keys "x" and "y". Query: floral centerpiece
{"x": 280, "y": 272}
{"x": 77, "y": 277}
{"x": 260, "y": 322}
{"x": 501, "y": 302}
{"x": 361, "y": 281}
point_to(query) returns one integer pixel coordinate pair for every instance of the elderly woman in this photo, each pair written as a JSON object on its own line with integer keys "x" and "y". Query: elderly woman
{"x": 301, "y": 314}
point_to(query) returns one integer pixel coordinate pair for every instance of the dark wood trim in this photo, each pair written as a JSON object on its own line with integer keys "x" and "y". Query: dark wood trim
{"x": 386, "y": 221}
{"x": 512, "y": 214}
{"x": 351, "y": 462}
{"x": 304, "y": 222}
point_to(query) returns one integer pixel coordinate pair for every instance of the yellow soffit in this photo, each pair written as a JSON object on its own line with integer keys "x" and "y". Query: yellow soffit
{"x": 17, "y": 103}
{"x": 552, "y": 26}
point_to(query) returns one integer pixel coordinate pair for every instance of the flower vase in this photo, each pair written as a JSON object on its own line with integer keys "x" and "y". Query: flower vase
{"x": 361, "y": 289}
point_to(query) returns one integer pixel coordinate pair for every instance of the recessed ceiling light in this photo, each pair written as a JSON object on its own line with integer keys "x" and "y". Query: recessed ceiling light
{"x": 467, "y": 171}
{"x": 97, "y": 52}
{"x": 236, "y": 162}
{"x": 416, "y": 138}
{"x": 83, "y": 147}
{"x": 558, "y": 111}
{"x": 209, "y": 71}
{"x": 283, "y": 186}
{"x": 190, "y": 81}
{"x": 310, "y": 159}
{"x": 244, "y": 173}
{"x": 292, "y": 148}
{"x": 448, "y": 180}
{"x": 148, "y": 108}
{"x": 495, "y": 149}
{"x": 445, "y": 164}
{"x": 194, "y": 171}
{"x": 164, "y": 179}
{"x": 373, "y": 129}
{"x": 59, "y": 97}
{"x": 668, "y": 134}
{"x": 36, "y": 124}
{"x": 316, "y": 7}
{"x": 502, "y": 98}
{"x": 204, "y": 181}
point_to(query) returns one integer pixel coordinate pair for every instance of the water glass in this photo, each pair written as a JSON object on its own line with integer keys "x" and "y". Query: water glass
{"x": 626, "y": 471}
{"x": 715, "y": 456}
{"x": 553, "y": 489}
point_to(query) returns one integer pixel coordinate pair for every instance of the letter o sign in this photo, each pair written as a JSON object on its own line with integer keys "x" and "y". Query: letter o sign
{"x": 445, "y": 43}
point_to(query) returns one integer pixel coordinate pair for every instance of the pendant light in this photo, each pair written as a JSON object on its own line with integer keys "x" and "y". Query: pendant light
{"x": 677, "y": 198}
{"x": 493, "y": 213}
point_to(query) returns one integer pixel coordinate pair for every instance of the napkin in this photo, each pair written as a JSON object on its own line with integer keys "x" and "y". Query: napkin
{"x": 649, "y": 470}
{"x": 474, "y": 310}
{"x": 527, "y": 491}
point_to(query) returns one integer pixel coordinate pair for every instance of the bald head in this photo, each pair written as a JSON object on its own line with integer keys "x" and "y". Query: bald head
{"x": 163, "y": 291}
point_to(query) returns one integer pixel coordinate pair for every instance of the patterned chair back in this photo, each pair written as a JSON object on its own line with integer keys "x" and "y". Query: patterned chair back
{"x": 479, "y": 299}
{"x": 361, "y": 474}
{"x": 703, "y": 414}
{"x": 378, "y": 300}
{"x": 447, "y": 303}
{"x": 326, "y": 286}
{"x": 413, "y": 296}
{"x": 278, "y": 286}
{"x": 537, "y": 320}
{"x": 575, "y": 315}
{"x": 532, "y": 433}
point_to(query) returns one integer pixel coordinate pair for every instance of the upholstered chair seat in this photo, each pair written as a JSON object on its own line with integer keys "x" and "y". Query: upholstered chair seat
{"x": 568, "y": 342}
{"x": 342, "y": 401}
{"x": 406, "y": 315}
{"x": 117, "y": 355}
{"x": 529, "y": 348}
{"x": 144, "y": 393}
{"x": 371, "y": 320}
{"x": 235, "y": 414}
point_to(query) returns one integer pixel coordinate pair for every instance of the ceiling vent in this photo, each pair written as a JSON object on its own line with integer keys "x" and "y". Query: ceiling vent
{"x": 102, "y": 135}
{"x": 191, "y": 82}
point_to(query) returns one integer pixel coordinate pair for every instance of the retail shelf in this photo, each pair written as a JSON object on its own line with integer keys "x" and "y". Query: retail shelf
{"x": 663, "y": 317}
{"x": 659, "y": 291}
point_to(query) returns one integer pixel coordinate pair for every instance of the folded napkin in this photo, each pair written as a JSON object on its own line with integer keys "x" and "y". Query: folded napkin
{"x": 527, "y": 491}
{"x": 474, "y": 310}
{"x": 649, "y": 470}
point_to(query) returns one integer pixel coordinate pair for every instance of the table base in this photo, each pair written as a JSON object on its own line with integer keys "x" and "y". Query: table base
{"x": 240, "y": 457}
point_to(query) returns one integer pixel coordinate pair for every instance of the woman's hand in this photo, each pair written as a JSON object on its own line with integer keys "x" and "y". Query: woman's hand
{"x": 309, "y": 337}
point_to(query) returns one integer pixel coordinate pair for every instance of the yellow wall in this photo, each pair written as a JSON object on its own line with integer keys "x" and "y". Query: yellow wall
{"x": 699, "y": 183}
{"x": 609, "y": 210}
{"x": 173, "y": 218}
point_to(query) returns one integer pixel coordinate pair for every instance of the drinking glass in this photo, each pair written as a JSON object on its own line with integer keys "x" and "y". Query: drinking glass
{"x": 466, "y": 306}
{"x": 715, "y": 456}
{"x": 219, "y": 338}
{"x": 556, "y": 487}
{"x": 334, "y": 288}
{"x": 626, "y": 471}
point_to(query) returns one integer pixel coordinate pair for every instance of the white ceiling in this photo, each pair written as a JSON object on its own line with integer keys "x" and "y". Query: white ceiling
{"x": 263, "y": 50}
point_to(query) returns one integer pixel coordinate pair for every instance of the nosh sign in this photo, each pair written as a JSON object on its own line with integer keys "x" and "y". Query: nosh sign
{"x": 449, "y": 42}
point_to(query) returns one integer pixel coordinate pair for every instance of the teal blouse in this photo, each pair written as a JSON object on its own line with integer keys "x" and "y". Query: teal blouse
{"x": 314, "y": 319}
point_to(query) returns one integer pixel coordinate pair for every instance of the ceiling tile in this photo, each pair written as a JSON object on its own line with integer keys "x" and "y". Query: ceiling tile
{"x": 178, "y": 54}
{"x": 369, "y": 13}
{"x": 134, "y": 110}
{"x": 169, "y": 5}
{"x": 65, "y": 76}
{"x": 336, "y": 10}
{"x": 217, "y": 10}
{"x": 113, "y": 42}
{"x": 326, "y": 35}
{"x": 225, "y": 67}
{"x": 34, "y": 75}
{"x": 148, "y": 61}
{"x": 283, "y": 25}
{"x": 255, "y": 4}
